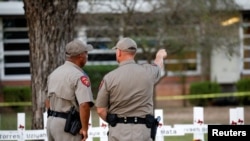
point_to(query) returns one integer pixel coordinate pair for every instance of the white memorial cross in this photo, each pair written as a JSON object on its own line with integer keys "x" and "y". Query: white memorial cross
{"x": 198, "y": 121}
{"x": 236, "y": 116}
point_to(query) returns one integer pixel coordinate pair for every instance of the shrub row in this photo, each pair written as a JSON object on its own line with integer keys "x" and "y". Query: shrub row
{"x": 198, "y": 88}
{"x": 17, "y": 94}
{"x": 208, "y": 87}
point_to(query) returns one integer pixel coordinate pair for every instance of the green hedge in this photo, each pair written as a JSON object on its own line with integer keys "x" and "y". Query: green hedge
{"x": 17, "y": 94}
{"x": 243, "y": 86}
{"x": 96, "y": 73}
{"x": 203, "y": 88}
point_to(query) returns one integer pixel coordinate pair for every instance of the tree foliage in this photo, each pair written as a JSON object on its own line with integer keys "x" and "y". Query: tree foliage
{"x": 175, "y": 25}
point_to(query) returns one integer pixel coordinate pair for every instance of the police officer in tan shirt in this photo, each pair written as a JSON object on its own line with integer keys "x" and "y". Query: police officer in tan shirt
{"x": 68, "y": 86}
{"x": 128, "y": 93}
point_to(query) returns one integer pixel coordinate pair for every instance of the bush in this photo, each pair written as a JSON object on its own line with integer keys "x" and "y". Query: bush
{"x": 96, "y": 73}
{"x": 198, "y": 88}
{"x": 243, "y": 86}
{"x": 17, "y": 94}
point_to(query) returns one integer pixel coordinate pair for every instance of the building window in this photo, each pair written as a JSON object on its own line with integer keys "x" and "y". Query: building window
{"x": 246, "y": 42}
{"x": 16, "y": 64}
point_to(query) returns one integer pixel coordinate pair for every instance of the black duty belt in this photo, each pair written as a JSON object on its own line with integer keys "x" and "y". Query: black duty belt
{"x": 134, "y": 120}
{"x": 58, "y": 114}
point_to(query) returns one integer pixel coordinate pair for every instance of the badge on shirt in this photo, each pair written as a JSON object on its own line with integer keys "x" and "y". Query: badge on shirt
{"x": 85, "y": 81}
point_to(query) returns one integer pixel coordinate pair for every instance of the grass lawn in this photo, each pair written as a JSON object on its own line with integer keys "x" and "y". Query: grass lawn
{"x": 8, "y": 121}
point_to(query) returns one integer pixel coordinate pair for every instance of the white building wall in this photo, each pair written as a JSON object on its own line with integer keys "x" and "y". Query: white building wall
{"x": 245, "y": 4}
{"x": 225, "y": 69}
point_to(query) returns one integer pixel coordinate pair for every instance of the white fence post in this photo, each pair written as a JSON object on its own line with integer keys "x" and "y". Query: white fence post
{"x": 240, "y": 113}
{"x": 104, "y": 126}
{"x": 45, "y": 124}
{"x": 236, "y": 116}
{"x": 198, "y": 121}
{"x": 21, "y": 125}
{"x": 159, "y": 112}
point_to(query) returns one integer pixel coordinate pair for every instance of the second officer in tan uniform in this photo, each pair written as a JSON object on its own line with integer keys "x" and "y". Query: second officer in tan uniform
{"x": 127, "y": 92}
{"x": 68, "y": 86}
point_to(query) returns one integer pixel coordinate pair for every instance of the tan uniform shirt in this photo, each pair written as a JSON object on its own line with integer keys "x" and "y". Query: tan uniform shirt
{"x": 68, "y": 85}
{"x": 128, "y": 90}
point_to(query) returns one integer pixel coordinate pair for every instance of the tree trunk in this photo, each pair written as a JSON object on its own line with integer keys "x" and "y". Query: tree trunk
{"x": 50, "y": 26}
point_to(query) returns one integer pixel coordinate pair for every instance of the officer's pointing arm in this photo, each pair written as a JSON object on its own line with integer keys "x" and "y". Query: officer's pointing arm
{"x": 159, "y": 59}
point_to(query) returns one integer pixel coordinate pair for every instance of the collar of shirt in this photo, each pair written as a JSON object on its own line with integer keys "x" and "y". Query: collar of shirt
{"x": 127, "y": 62}
{"x": 74, "y": 65}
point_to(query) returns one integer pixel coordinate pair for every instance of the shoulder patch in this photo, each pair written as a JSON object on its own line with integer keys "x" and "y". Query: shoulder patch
{"x": 85, "y": 81}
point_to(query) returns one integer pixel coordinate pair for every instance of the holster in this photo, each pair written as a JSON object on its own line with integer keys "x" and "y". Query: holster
{"x": 73, "y": 123}
{"x": 152, "y": 123}
{"x": 112, "y": 119}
